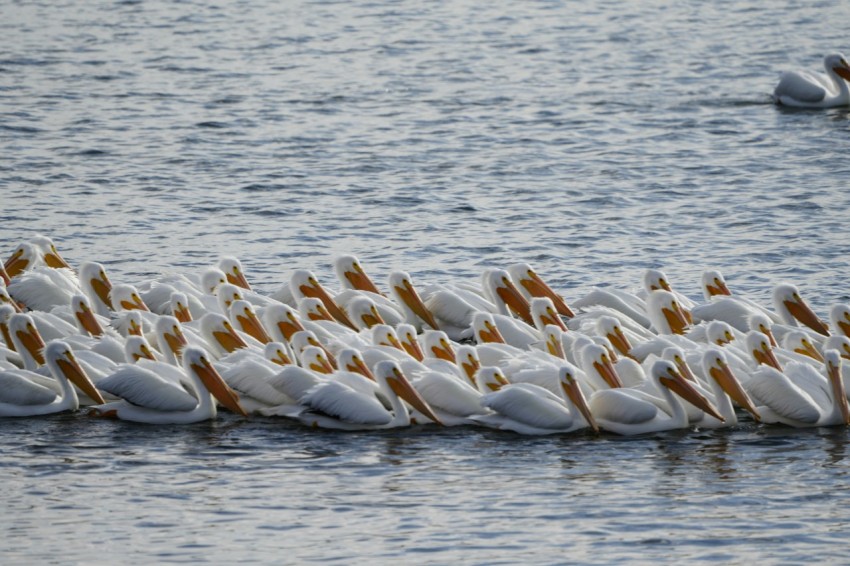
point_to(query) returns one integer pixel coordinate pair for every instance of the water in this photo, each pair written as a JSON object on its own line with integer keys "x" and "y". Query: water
{"x": 591, "y": 140}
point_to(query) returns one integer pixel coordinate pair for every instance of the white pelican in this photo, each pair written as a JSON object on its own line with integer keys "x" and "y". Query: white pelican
{"x": 412, "y": 307}
{"x": 529, "y": 409}
{"x": 802, "y": 89}
{"x": 531, "y": 285}
{"x": 501, "y": 291}
{"x": 799, "y": 404}
{"x": 351, "y": 275}
{"x": 714, "y": 284}
{"x": 43, "y": 288}
{"x": 27, "y": 341}
{"x": 303, "y": 283}
{"x": 839, "y": 318}
{"x": 621, "y": 411}
{"x": 148, "y": 398}
{"x": 242, "y": 315}
{"x": 97, "y": 287}
{"x": 233, "y": 272}
{"x": 726, "y": 388}
{"x": 22, "y": 397}
{"x": 334, "y": 405}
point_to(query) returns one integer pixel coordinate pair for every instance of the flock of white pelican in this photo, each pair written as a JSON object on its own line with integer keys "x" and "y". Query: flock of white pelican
{"x": 509, "y": 353}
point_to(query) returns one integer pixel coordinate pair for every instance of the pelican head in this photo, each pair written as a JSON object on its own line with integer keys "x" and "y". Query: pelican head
{"x": 51, "y": 255}
{"x": 97, "y": 286}
{"x": 232, "y": 269}
{"x": 761, "y": 323}
{"x": 654, "y": 280}
{"x": 137, "y": 348}
{"x": 719, "y": 332}
{"x": 243, "y": 316}
{"x": 126, "y": 297}
{"x": 839, "y": 318}
{"x": 211, "y": 278}
{"x": 793, "y": 309}
{"x": 438, "y": 345}
{"x": 282, "y": 321}
{"x": 351, "y": 275}
{"x": 314, "y": 358}
{"x": 713, "y": 284}
{"x": 833, "y": 373}
{"x": 841, "y": 344}
{"x": 389, "y": 376}
{"x": 838, "y": 64}
{"x": 197, "y": 361}
{"x": 571, "y": 389}
{"x": 277, "y": 353}
{"x": 665, "y": 313}
{"x": 6, "y": 312}
{"x": 760, "y": 349}
{"x": 799, "y": 342}
{"x": 219, "y": 332}
{"x": 485, "y": 330}
{"x": 489, "y": 379}
{"x": 467, "y": 359}
{"x": 384, "y": 335}
{"x": 83, "y": 314}
{"x": 61, "y": 361}
{"x": 303, "y": 283}
{"x": 364, "y": 313}
{"x": 543, "y": 313}
{"x": 405, "y": 293}
{"x": 532, "y": 285}
{"x": 350, "y": 359}
{"x": 311, "y": 308}
{"x": 676, "y": 355}
{"x": 552, "y": 336}
{"x": 714, "y": 364}
{"x": 665, "y": 375}
{"x": 597, "y": 362}
{"x": 26, "y": 338}
{"x": 26, "y": 256}
{"x": 179, "y": 304}
{"x": 499, "y": 288}
{"x": 170, "y": 338}
{"x": 407, "y": 337}
{"x": 610, "y": 328}
{"x": 227, "y": 293}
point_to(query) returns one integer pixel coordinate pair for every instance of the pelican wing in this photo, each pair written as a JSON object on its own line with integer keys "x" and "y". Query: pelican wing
{"x": 16, "y": 389}
{"x": 619, "y": 406}
{"x": 342, "y": 402}
{"x": 250, "y": 378}
{"x": 448, "y": 394}
{"x": 801, "y": 86}
{"x": 787, "y": 400}
{"x": 144, "y": 388}
{"x": 449, "y": 307}
{"x": 294, "y": 381}
{"x": 530, "y": 405}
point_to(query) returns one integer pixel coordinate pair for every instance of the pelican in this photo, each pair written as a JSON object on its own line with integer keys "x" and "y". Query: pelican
{"x": 351, "y": 275}
{"x": 839, "y": 318}
{"x": 799, "y": 405}
{"x": 43, "y": 288}
{"x": 22, "y": 397}
{"x": 413, "y": 308}
{"x": 501, "y": 291}
{"x": 726, "y": 388}
{"x": 148, "y": 398}
{"x": 529, "y": 409}
{"x": 531, "y": 285}
{"x": 303, "y": 283}
{"x": 802, "y": 89}
{"x": 622, "y": 412}
{"x": 233, "y": 272}
{"x": 335, "y": 405}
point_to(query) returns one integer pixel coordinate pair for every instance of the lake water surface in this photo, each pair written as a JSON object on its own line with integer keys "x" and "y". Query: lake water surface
{"x": 592, "y": 140}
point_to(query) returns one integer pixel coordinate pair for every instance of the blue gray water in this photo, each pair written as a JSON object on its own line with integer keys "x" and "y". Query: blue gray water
{"x": 592, "y": 140}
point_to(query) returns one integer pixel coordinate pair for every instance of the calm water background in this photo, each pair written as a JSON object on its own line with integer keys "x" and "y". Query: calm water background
{"x": 592, "y": 140}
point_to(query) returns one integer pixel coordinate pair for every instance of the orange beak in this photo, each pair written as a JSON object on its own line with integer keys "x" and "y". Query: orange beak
{"x": 411, "y": 346}
{"x": 608, "y": 373}
{"x": 536, "y": 287}
{"x": 837, "y": 383}
{"x": 470, "y": 367}
{"x": 72, "y": 369}
{"x": 411, "y": 298}
{"x": 228, "y": 339}
{"x": 444, "y": 351}
{"x": 730, "y": 384}
{"x": 515, "y": 301}
{"x": 716, "y": 288}
{"x": 238, "y": 278}
{"x": 490, "y": 334}
{"x": 16, "y": 264}
{"x": 767, "y": 357}
{"x": 5, "y": 276}
{"x": 801, "y": 311}
{"x": 102, "y": 288}
{"x": 620, "y": 342}
{"x": 686, "y": 391}
{"x": 253, "y": 327}
{"x": 372, "y": 318}
{"x": 676, "y": 319}
{"x": 289, "y": 327}
{"x": 573, "y": 391}
{"x": 401, "y": 387}
{"x": 182, "y": 313}
{"x": 87, "y": 320}
{"x": 216, "y": 385}
{"x": 357, "y": 366}
{"x": 54, "y": 260}
{"x": 359, "y": 280}
{"x": 317, "y": 291}
{"x": 33, "y": 342}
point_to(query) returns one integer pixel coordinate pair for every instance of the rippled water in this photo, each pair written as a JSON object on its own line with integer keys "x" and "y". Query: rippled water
{"x": 591, "y": 140}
